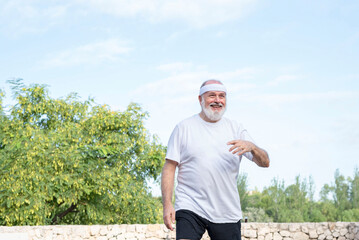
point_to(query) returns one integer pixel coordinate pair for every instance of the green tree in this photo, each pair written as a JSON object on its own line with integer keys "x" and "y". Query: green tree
{"x": 341, "y": 195}
{"x": 316, "y": 215}
{"x": 67, "y": 161}
{"x": 293, "y": 203}
{"x": 256, "y": 215}
{"x": 273, "y": 200}
{"x": 341, "y": 192}
{"x": 297, "y": 201}
{"x": 242, "y": 185}
{"x": 255, "y": 199}
{"x": 354, "y": 189}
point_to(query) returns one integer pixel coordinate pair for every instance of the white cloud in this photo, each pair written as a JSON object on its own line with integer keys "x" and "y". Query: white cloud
{"x": 198, "y": 13}
{"x": 277, "y": 101}
{"x": 34, "y": 16}
{"x": 296, "y": 97}
{"x": 186, "y": 79}
{"x": 93, "y": 53}
{"x": 175, "y": 67}
{"x": 283, "y": 79}
{"x": 19, "y": 16}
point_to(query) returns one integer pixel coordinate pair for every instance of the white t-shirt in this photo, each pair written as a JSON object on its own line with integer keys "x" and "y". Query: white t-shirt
{"x": 207, "y": 171}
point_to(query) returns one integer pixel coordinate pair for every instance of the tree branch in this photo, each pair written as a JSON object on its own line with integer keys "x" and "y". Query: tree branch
{"x": 59, "y": 216}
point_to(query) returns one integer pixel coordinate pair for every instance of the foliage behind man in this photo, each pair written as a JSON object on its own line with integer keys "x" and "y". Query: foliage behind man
{"x": 66, "y": 161}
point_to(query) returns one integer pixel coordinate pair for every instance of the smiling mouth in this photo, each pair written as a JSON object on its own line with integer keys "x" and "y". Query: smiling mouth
{"x": 216, "y": 106}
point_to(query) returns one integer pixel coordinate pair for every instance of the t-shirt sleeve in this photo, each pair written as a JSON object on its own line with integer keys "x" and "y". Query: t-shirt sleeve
{"x": 174, "y": 146}
{"x": 244, "y": 135}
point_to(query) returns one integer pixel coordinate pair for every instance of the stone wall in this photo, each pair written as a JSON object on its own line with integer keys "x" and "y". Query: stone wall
{"x": 250, "y": 231}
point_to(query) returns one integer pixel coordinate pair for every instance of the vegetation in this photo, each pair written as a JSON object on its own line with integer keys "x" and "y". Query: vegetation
{"x": 66, "y": 161}
{"x": 295, "y": 203}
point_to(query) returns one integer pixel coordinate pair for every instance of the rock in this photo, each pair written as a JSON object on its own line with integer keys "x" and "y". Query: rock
{"x": 284, "y": 226}
{"x": 310, "y": 225}
{"x": 349, "y": 236}
{"x": 269, "y": 236}
{"x": 343, "y": 231}
{"x": 304, "y": 229}
{"x": 103, "y": 231}
{"x": 320, "y": 230}
{"x": 294, "y": 227}
{"x": 277, "y": 236}
{"x": 273, "y": 227}
{"x": 331, "y": 226}
{"x": 321, "y": 237}
{"x": 153, "y": 227}
{"x": 250, "y": 233}
{"x": 300, "y": 236}
{"x": 140, "y": 228}
{"x": 131, "y": 228}
{"x": 340, "y": 225}
{"x": 263, "y": 231}
{"x": 355, "y": 229}
{"x": 130, "y": 235}
{"x": 94, "y": 230}
{"x": 327, "y": 233}
{"x": 313, "y": 234}
{"x": 284, "y": 233}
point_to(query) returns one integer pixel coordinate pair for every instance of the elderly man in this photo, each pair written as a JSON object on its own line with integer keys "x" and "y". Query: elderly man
{"x": 207, "y": 149}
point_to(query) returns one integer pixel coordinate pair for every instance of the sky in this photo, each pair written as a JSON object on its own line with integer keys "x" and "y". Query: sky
{"x": 291, "y": 69}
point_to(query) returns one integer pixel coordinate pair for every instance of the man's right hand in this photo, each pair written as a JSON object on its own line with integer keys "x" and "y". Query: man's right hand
{"x": 169, "y": 216}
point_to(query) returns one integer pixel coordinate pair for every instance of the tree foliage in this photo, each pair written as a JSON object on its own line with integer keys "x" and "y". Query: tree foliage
{"x": 67, "y": 161}
{"x": 295, "y": 203}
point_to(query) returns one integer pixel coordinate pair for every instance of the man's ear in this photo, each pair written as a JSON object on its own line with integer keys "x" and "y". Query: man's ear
{"x": 200, "y": 99}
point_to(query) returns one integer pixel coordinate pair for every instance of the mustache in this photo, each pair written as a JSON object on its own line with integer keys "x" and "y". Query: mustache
{"x": 216, "y": 104}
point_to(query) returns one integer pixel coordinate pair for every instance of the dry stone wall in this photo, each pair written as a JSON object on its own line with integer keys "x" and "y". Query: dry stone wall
{"x": 250, "y": 231}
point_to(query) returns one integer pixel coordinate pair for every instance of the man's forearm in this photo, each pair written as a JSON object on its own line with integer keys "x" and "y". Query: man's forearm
{"x": 260, "y": 157}
{"x": 167, "y": 182}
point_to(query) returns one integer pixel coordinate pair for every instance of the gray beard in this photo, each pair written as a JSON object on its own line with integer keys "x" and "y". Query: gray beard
{"x": 212, "y": 115}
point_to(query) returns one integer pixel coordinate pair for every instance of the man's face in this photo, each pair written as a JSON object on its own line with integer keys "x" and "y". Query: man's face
{"x": 213, "y": 104}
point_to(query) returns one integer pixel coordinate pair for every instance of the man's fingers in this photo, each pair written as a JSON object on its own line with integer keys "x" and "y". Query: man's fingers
{"x": 232, "y": 148}
{"x": 241, "y": 152}
{"x": 169, "y": 220}
{"x": 168, "y": 223}
{"x": 173, "y": 216}
{"x": 237, "y": 150}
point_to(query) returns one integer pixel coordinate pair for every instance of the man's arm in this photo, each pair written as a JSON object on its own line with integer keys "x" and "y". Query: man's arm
{"x": 167, "y": 184}
{"x": 260, "y": 156}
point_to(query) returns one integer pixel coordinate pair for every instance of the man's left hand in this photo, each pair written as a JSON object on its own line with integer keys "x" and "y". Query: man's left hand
{"x": 240, "y": 146}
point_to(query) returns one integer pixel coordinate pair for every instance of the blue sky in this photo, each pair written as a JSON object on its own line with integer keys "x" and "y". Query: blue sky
{"x": 291, "y": 68}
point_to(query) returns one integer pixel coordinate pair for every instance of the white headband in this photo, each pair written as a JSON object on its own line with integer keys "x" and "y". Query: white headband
{"x": 212, "y": 87}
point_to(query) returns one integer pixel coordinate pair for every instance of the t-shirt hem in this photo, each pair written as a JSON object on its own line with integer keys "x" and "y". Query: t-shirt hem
{"x": 220, "y": 221}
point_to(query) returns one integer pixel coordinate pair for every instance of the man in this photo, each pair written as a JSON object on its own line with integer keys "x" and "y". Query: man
{"x": 207, "y": 149}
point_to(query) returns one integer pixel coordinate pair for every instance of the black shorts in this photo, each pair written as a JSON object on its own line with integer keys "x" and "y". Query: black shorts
{"x": 191, "y": 226}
